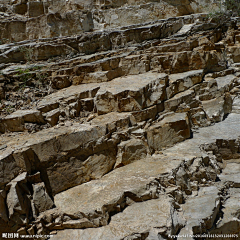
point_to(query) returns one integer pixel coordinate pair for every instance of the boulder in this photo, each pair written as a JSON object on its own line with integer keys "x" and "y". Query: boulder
{"x": 172, "y": 129}
{"x": 18, "y": 203}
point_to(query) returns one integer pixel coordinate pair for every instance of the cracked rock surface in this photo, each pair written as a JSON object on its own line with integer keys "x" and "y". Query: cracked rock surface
{"x": 118, "y": 119}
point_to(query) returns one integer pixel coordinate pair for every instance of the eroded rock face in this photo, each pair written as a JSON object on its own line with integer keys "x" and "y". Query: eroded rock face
{"x": 134, "y": 219}
{"x": 118, "y": 122}
{"x": 172, "y": 129}
{"x": 44, "y": 19}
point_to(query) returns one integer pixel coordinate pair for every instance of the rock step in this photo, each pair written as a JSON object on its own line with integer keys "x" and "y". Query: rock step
{"x": 149, "y": 92}
{"x": 193, "y": 219}
{"x": 100, "y": 41}
{"x": 125, "y": 94}
{"x": 189, "y": 175}
{"x": 49, "y": 151}
{"x": 191, "y": 160}
{"x": 105, "y": 69}
{"x": 134, "y": 220}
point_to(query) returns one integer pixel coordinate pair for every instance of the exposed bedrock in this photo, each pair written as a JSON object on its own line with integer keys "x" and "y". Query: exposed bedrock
{"x": 118, "y": 119}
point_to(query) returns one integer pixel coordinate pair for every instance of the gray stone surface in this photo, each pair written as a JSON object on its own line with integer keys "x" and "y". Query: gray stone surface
{"x": 231, "y": 173}
{"x": 111, "y": 188}
{"x": 228, "y": 129}
{"x": 200, "y": 211}
{"x": 137, "y": 218}
{"x": 41, "y": 199}
{"x": 230, "y": 223}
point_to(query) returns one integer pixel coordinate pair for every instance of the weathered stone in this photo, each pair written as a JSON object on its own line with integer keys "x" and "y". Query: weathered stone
{"x": 217, "y": 108}
{"x": 15, "y": 121}
{"x": 3, "y": 207}
{"x": 51, "y": 102}
{"x": 41, "y": 199}
{"x": 109, "y": 191}
{"x": 82, "y": 223}
{"x": 114, "y": 121}
{"x": 96, "y": 161}
{"x": 148, "y": 113}
{"x": 20, "y": 8}
{"x": 129, "y": 151}
{"x": 186, "y": 97}
{"x": 12, "y": 123}
{"x": 60, "y": 82}
{"x": 225, "y": 84}
{"x": 230, "y": 223}
{"x": 201, "y": 211}
{"x": 182, "y": 81}
{"x": 172, "y": 129}
{"x": 131, "y": 93}
{"x": 52, "y": 116}
{"x": 133, "y": 220}
{"x": 17, "y": 201}
{"x": 231, "y": 174}
{"x": 98, "y": 165}
{"x": 8, "y": 167}
{"x": 35, "y": 8}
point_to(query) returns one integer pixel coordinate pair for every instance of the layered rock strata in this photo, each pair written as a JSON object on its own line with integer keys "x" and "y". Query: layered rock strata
{"x": 129, "y": 133}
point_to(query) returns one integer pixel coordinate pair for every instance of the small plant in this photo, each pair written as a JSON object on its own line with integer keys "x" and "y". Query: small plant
{"x": 9, "y": 109}
{"x": 4, "y": 41}
{"x": 233, "y": 6}
{"x": 25, "y": 76}
{"x": 27, "y": 52}
{"x": 225, "y": 10}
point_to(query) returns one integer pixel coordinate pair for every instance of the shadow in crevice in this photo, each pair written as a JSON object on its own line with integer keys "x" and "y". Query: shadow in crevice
{"x": 225, "y": 116}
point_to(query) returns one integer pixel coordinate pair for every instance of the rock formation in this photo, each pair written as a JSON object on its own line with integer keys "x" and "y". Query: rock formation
{"x": 119, "y": 119}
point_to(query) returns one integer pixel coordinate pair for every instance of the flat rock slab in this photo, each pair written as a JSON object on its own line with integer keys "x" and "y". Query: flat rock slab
{"x": 137, "y": 218}
{"x": 110, "y": 188}
{"x": 15, "y": 121}
{"x": 231, "y": 174}
{"x": 82, "y": 91}
{"x": 201, "y": 211}
{"x": 131, "y": 93}
{"x": 180, "y": 82}
{"x": 225, "y": 82}
{"x": 172, "y": 129}
{"x": 228, "y": 129}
